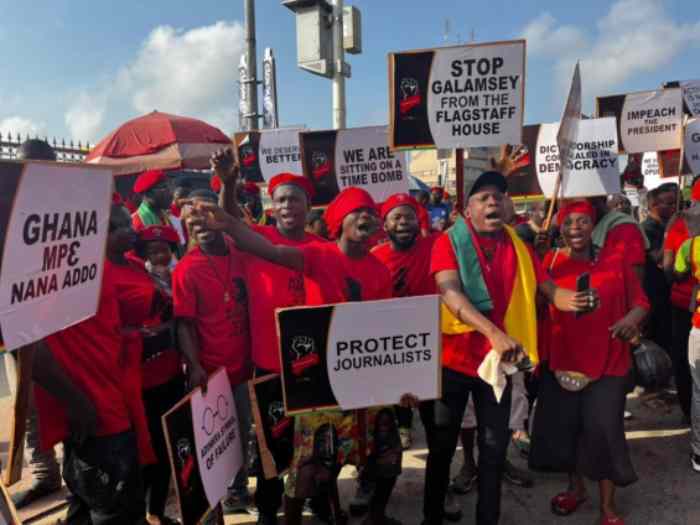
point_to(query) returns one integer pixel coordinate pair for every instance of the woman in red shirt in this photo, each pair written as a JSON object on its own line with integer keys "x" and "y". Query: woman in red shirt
{"x": 578, "y": 426}
{"x": 145, "y": 307}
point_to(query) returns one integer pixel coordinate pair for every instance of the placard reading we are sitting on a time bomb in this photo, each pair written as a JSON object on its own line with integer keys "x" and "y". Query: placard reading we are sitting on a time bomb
{"x": 457, "y": 97}
{"x": 53, "y": 228}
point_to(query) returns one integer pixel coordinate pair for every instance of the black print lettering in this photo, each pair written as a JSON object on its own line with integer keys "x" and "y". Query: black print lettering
{"x": 54, "y": 227}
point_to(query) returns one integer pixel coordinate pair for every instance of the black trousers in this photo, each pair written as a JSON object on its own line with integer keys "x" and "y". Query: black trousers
{"x": 442, "y": 420}
{"x": 156, "y": 478}
{"x": 404, "y": 416}
{"x": 680, "y": 329}
{"x": 104, "y": 478}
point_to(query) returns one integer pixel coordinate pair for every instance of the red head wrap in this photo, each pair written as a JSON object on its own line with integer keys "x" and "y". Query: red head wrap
{"x": 396, "y": 200}
{"x": 576, "y": 207}
{"x": 148, "y": 179}
{"x": 346, "y": 202}
{"x": 289, "y": 178}
{"x": 695, "y": 192}
{"x": 159, "y": 233}
{"x": 215, "y": 184}
{"x": 436, "y": 189}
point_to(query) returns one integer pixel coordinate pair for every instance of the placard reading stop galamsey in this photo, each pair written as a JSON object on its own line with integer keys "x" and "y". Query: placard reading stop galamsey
{"x": 53, "y": 228}
{"x": 457, "y": 97}
{"x": 360, "y": 354}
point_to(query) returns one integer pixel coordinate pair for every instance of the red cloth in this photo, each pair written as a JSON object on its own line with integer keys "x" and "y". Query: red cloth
{"x": 148, "y": 179}
{"x": 129, "y": 205}
{"x": 330, "y": 276}
{"x": 175, "y": 210}
{"x": 117, "y": 199}
{"x": 584, "y": 344}
{"x": 410, "y": 269}
{"x": 346, "y": 202}
{"x": 200, "y": 283}
{"x": 695, "y": 192}
{"x": 93, "y": 356}
{"x": 289, "y": 178}
{"x": 676, "y": 235}
{"x": 215, "y": 184}
{"x": 396, "y": 200}
{"x": 626, "y": 242}
{"x": 423, "y": 219}
{"x": 159, "y": 233}
{"x": 251, "y": 188}
{"x": 271, "y": 286}
{"x": 137, "y": 295}
{"x": 465, "y": 352}
{"x": 576, "y": 207}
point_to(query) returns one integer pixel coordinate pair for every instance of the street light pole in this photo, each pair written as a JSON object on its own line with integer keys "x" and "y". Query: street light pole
{"x": 339, "y": 120}
{"x": 251, "y": 58}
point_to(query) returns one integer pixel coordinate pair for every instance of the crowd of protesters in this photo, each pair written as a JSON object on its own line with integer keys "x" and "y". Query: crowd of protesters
{"x": 191, "y": 283}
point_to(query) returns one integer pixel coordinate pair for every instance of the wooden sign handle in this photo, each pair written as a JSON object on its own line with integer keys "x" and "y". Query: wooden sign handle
{"x": 18, "y": 424}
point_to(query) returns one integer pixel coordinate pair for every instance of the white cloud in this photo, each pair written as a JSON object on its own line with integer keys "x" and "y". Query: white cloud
{"x": 634, "y": 37}
{"x": 191, "y": 73}
{"x": 21, "y": 125}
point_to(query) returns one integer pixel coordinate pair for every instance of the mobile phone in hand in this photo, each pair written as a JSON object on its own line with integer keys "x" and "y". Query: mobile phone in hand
{"x": 583, "y": 283}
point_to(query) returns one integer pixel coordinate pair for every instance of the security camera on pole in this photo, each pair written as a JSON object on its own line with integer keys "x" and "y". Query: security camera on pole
{"x": 325, "y": 30}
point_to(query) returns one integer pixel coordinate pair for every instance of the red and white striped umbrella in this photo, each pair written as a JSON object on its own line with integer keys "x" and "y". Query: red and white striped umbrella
{"x": 158, "y": 141}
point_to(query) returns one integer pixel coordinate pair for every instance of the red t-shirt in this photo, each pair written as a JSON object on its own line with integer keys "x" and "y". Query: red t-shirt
{"x": 211, "y": 291}
{"x": 584, "y": 344}
{"x": 626, "y": 242}
{"x": 92, "y": 355}
{"x": 465, "y": 352}
{"x": 423, "y": 219}
{"x": 271, "y": 286}
{"x": 141, "y": 304}
{"x": 681, "y": 292}
{"x": 410, "y": 269}
{"x": 330, "y": 276}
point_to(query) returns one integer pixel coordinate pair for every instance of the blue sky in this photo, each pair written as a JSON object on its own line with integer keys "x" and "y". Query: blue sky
{"x": 78, "y": 68}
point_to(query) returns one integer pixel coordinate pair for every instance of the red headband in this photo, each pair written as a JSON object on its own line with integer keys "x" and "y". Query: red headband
{"x": 289, "y": 178}
{"x": 346, "y": 202}
{"x": 396, "y": 200}
{"x": 584, "y": 207}
{"x": 148, "y": 179}
{"x": 159, "y": 233}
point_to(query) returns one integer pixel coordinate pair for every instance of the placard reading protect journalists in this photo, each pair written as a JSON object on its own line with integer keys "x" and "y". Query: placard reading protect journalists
{"x": 53, "y": 227}
{"x": 457, "y": 97}
{"x": 390, "y": 347}
{"x": 334, "y": 160}
{"x": 647, "y": 121}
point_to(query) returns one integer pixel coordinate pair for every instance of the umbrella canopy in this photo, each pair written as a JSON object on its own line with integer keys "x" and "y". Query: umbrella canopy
{"x": 158, "y": 141}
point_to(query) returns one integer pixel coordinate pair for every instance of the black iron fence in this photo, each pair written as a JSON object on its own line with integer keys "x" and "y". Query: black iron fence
{"x": 65, "y": 151}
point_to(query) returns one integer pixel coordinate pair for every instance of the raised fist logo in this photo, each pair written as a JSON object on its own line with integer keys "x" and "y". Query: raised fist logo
{"x": 320, "y": 167}
{"x": 278, "y": 421}
{"x": 305, "y": 354}
{"x": 410, "y": 95}
{"x": 275, "y": 411}
{"x": 248, "y": 156}
{"x": 302, "y": 345}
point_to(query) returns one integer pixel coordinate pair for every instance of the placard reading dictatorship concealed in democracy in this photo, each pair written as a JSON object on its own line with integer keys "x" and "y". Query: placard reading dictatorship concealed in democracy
{"x": 457, "y": 97}
{"x": 337, "y": 159}
{"x": 264, "y": 154}
{"x": 593, "y": 161}
{"x": 647, "y": 121}
{"x": 53, "y": 227}
{"x": 390, "y": 347}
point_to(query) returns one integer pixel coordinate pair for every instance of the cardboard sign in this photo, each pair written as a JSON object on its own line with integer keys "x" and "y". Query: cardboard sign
{"x": 457, "y": 97}
{"x": 651, "y": 173}
{"x": 53, "y": 228}
{"x": 264, "y": 154}
{"x": 692, "y": 146}
{"x": 691, "y": 95}
{"x": 389, "y": 347}
{"x": 593, "y": 163}
{"x": 273, "y": 428}
{"x": 647, "y": 121}
{"x": 334, "y": 160}
{"x": 8, "y": 514}
{"x": 204, "y": 446}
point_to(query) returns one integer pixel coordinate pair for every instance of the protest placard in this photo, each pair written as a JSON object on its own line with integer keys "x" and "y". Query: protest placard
{"x": 356, "y": 157}
{"x": 691, "y": 95}
{"x": 647, "y": 121}
{"x": 651, "y": 173}
{"x": 457, "y": 97}
{"x": 273, "y": 428}
{"x": 390, "y": 347}
{"x": 593, "y": 161}
{"x": 692, "y": 146}
{"x": 53, "y": 228}
{"x": 264, "y": 154}
{"x": 204, "y": 446}
{"x": 8, "y": 514}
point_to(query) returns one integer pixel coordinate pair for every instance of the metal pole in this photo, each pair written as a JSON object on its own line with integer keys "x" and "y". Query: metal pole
{"x": 339, "y": 121}
{"x": 251, "y": 59}
{"x": 459, "y": 176}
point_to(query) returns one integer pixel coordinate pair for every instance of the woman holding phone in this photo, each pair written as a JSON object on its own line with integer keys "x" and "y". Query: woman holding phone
{"x": 578, "y": 425}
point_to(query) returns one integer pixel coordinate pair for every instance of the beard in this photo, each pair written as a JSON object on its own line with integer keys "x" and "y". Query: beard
{"x": 404, "y": 243}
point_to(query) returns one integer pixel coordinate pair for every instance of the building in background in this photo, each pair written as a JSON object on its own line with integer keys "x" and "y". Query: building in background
{"x": 436, "y": 167}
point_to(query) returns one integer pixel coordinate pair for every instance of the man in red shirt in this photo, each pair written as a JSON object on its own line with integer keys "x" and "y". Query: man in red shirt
{"x": 464, "y": 352}
{"x": 211, "y": 308}
{"x": 682, "y": 227}
{"x": 270, "y": 286}
{"x": 333, "y": 273}
{"x": 157, "y": 198}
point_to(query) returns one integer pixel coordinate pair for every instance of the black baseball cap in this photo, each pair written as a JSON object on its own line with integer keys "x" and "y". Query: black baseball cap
{"x": 488, "y": 178}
